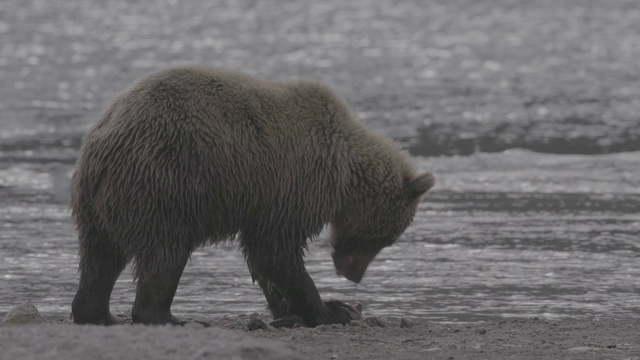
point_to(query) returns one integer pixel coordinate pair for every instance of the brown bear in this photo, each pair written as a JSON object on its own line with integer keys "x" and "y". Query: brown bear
{"x": 192, "y": 156}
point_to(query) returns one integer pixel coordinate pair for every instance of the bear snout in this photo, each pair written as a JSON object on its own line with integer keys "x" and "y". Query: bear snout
{"x": 351, "y": 266}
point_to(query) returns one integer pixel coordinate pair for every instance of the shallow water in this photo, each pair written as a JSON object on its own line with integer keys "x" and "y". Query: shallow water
{"x": 506, "y": 232}
{"x": 509, "y": 234}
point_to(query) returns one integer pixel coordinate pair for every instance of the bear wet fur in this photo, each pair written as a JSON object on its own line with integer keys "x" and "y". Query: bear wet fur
{"x": 192, "y": 156}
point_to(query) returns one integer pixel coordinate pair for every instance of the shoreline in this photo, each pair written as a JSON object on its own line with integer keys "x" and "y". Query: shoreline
{"x": 228, "y": 337}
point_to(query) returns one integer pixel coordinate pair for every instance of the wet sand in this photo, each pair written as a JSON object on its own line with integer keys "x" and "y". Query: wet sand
{"x": 371, "y": 338}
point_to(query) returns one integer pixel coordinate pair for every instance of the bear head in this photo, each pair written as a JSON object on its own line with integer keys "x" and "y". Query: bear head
{"x": 360, "y": 233}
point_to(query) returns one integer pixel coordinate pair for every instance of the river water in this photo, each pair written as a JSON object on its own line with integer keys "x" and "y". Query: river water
{"x": 526, "y": 113}
{"x": 506, "y": 234}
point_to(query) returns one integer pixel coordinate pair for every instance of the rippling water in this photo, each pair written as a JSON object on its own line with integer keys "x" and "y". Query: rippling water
{"x": 515, "y": 233}
{"x": 493, "y": 97}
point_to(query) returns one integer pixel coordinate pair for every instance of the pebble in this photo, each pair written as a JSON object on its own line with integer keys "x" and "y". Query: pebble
{"x": 376, "y": 321}
{"x": 405, "y": 323}
{"x": 256, "y": 323}
{"x": 23, "y": 314}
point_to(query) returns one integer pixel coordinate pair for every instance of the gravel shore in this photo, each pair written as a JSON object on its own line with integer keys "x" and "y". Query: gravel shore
{"x": 229, "y": 337}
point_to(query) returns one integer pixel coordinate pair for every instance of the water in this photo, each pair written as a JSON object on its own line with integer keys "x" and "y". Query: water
{"x": 526, "y": 112}
{"x": 506, "y": 234}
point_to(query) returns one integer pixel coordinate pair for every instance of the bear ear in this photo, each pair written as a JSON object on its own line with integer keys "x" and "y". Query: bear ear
{"x": 420, "y": 184}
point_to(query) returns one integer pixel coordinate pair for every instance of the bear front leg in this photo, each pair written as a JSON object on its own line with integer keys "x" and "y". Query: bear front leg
{"x": 290, "y": 291}
{"x": 276, "y": 301}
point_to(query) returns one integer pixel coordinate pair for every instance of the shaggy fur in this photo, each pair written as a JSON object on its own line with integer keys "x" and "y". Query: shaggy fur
{"x": 192, "y": 156}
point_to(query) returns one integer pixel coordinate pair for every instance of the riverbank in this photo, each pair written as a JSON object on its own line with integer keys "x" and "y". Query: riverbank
{"x": 229, "y": 337}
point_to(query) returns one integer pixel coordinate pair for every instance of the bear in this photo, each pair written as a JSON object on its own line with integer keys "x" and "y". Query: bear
{"x": 193, "y": 156}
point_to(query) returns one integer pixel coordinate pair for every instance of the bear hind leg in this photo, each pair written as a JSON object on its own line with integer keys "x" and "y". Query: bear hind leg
{"x": 101, "y": 262}
{"x": 157, "y": 282}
